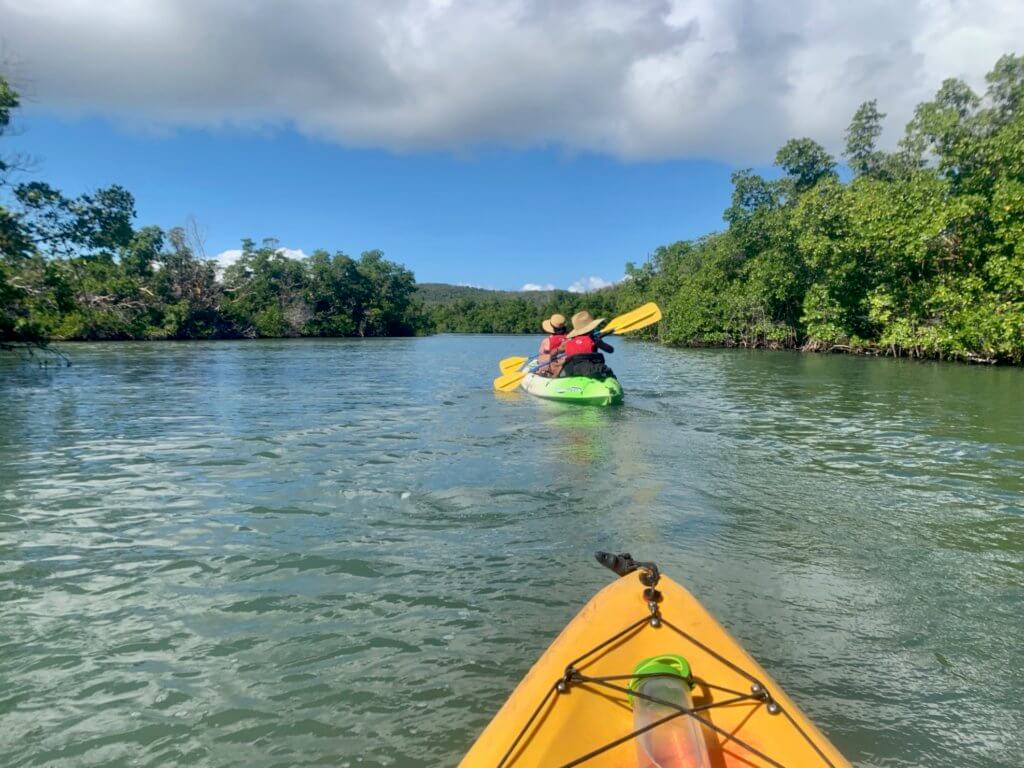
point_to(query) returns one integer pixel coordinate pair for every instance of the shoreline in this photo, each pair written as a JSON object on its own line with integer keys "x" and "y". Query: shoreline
{"x": 857, "y": 351}
{"x": 53, "y": 347}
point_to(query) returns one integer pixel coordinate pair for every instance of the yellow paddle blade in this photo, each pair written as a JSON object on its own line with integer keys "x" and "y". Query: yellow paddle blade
{"x": 510, "y": 364}
{"x": 509, "y": 381}
{"x": 639, "y": 318}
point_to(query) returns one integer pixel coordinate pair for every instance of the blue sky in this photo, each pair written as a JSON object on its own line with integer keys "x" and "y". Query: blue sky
{"x": 490, "y": 142}
{"x": 498, "y": 218}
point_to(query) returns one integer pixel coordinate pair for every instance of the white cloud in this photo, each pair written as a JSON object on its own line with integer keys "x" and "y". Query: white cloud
{"x": 730, "y": 79}
{"x": 226, "y": 258}
{"x": 538, "y": 287}
{"x": 586, "y": 284}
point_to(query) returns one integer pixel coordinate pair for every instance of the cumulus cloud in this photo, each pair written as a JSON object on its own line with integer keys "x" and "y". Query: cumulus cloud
{"x": 538, "y": 287}
{"x": 226, "y": 258}
{"x": 729, "y": 79}
{"x": 587, "y": 284}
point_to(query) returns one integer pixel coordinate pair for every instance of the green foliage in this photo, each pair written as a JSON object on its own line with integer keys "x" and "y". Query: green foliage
{"x": 186, "y": 289}
{"x": 921, "y": 254}
{"x": 514, "y": 312}
{"x": 865, "y": 128}
{"x": 100, "y": 223}
{"x": 269, "y": 294}
{"x": 266, "y": 292}
{"x": 16, "y": 322}
{"x": 156, "y": 288}
{"x": 336, "y": 293}
{"x": 443, "y": 293}
{"x": 387, "y": 290}
{"x": 1006, "y": 88}
{"x": 805, "y": 162}
{"x": 9, "y": 101}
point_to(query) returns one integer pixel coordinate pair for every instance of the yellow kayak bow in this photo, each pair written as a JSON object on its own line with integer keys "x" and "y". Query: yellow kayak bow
{"x": 572, "y": 708}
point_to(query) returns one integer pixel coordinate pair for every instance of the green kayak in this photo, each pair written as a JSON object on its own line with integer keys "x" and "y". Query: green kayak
{"x": 575, "y": 389}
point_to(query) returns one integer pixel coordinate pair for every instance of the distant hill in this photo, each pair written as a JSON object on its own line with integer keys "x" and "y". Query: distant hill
{"x": 433, "y": 294}
{"x": 463, "y": 309}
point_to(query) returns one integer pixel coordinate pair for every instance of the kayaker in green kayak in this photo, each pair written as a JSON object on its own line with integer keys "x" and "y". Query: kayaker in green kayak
{"x": 584, "y": 378}
{"x": 555, "y": 326}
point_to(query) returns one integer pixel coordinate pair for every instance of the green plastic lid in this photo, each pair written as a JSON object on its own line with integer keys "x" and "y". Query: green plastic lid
{"x": 669, "y": 664}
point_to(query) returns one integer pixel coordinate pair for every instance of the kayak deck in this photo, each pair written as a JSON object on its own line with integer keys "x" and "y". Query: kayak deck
{"x": 747, "y": 720}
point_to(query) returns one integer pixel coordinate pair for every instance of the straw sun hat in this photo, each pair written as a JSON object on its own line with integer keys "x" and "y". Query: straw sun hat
{"x": 583, "y": 323}
{"x": 554, "y": 323}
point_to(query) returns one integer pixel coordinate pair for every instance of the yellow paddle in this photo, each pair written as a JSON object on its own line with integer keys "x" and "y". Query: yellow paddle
{"x": 510, "y": 364}
{"x": 639, "y": 318}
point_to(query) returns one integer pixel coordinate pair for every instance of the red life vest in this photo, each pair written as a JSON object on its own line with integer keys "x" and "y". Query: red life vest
{"x": 554, "y": 342}
{"x": 580, "y": 345}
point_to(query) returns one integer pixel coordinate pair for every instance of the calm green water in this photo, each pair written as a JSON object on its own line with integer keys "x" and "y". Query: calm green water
{"x": 347, "y": 553}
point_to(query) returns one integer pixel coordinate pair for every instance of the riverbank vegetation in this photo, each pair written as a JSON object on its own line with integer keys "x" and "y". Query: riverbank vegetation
{"x": 459, "y": 309}
{"x": 917, "y": 251}
{"x": 920, "y": 253}
{"x": 78, "y": 268}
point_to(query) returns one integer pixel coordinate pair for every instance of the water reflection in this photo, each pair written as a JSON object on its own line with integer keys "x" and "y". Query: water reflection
{"x": 581, "y": 433}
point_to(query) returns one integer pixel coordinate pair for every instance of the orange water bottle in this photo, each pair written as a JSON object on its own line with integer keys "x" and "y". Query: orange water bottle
{"x": 678, "y": 742}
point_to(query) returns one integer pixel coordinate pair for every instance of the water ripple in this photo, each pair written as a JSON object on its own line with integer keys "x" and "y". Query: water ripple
{"x": 347, "y": 553}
